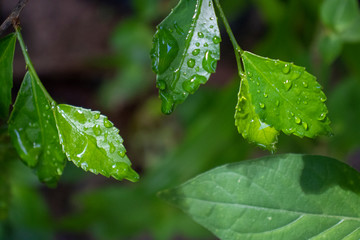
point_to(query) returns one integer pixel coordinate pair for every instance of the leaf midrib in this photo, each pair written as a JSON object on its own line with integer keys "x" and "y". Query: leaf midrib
{"x": 248, "y": 206}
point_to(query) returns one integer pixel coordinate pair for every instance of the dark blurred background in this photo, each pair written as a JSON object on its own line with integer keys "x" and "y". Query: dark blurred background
{"x": 95, "y": 54}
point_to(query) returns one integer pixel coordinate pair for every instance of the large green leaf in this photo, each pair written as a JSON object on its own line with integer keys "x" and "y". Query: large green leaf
{"x": 248, "y": 122}
{"x": 286, "y": 97}
{"x": 185, "y": 51}
{"x": 33, "y": 132}
{"x": 277, "y": 197}
{"x": 7, "y": 48}
{"x": 92, "y": 142}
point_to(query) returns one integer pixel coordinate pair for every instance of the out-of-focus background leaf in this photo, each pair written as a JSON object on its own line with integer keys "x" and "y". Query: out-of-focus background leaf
{"x": 95, "y": 54}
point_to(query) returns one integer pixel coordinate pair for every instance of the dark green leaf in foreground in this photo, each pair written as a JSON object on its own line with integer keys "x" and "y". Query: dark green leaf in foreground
{"x": 248, "y": 122}
{"x": 92, "y": 142}
{"x": 33, "y": 132}
{"x": 7, "y": 48}
{"x": 286, "y": 97}
{"x": 277, "y": 197}
{"x": 185, "y": 51}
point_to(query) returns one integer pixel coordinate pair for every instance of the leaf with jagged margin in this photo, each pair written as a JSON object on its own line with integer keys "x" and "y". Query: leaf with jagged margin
{"x": 7, "y": 49}
{"x": 286, "y": 97}
{"x": 33, "y": 132}
{"x": 185, "y": 51}
{"x": 248, "y": 122}
{"x": 277, "y": 197}
{"x": 92, "y": 142}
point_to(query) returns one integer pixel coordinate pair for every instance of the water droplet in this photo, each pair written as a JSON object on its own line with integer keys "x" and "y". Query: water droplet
{"x": 47, "y": 107}
{"x": 305, "y": 102}
{"x": 200, "y": 34}
{"x": 197, "y": 68}
{"x": 209, "y": 63}
{"x": 305, "y": 85}
{"x": 297, "y": 120}
{"x": 160, "y": 84}
{"x": 249, "y": 74}
{"x": 196, "y": 52}
{"x": 122, "y": 153}
{"x": 97, "y": 130}
{"x": 97, "y": 116}
{"x": 206, "y": 45}
{"x": 296, "y": 74}
{"x": 197, "y": 44}
{"x": 305, "y": 125}
{"x": 107, "y": 123}
{"x": 112, "y": 147}
{"x": 164, "y": 51}
{"x": 193, "y": 84}
{"x": 265, "y": 95}
{"x": 322, "y": 117}
{"x": 84, "y": 166}
{"x": 211, "y": 18}
{"x": 191, "y": 63}
{"x": 216, "y": 40}
{"x": 287, "y": 85}
{"x": 59, "y": 171}
{"x": 257, "y": 84}
{"x": 167, "y": 105}
{"x": 323, "y": 98}
{"x": 277, "y": 103}
{"x": 176, "y": 77}
{"x": 211, "y": 26}
{"x": 286, "y": 68}
{"x": 262, "y": 105}
{"x": 292, "y": 114}
{"x": 258, "y": 91}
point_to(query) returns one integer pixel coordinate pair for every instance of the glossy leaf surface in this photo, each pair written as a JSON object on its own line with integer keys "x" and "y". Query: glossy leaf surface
{"x": 7, "y": 48}
{"x": 248, "y": 123}
{"x": 185, "y": 51}
{"x": 286, "y": 97}
{"x": 277, "y": 197}
{"x": 92, "y": 142}
{"x": 33, "y": 132}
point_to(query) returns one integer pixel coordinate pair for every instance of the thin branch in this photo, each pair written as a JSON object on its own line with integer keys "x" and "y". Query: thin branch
{"x": 13, "y": 16}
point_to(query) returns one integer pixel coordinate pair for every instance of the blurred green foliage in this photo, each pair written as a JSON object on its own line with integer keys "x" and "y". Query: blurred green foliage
{"x": 201, "y": 133}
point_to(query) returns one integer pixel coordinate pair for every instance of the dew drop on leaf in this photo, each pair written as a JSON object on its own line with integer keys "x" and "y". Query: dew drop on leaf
{"x": 297, "y": 120}
{"x": 97, "y": 130}
{"x": 216, "y": 39}
{"x": 193, "y": 83}
{"x": 265, "y": 95}
{"x": 197, "y": 44}
{"x": 97, "y": 116}
{"x": 200, "y": 34}
{"x": 107, "y": 123}
{"x": 305, "y": 125}
{"x": 287, "y": 85}
{"x": 209, "y": 63}
{"x": 196, "y": 52}
{"x": 322, "y": 116}
{"x": 286, "y": 68}
{"x": 262, "y": 105}
{"x": 191, "y": 63}
{"x": 305, "y": 85}
{"x": 277, "y": 103}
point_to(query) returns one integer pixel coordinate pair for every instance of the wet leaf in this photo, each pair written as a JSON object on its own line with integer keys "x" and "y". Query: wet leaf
{"x": 7, "y": 48}
{"x": 248, "y": 122}
{"x": 286, "y": 97}
{"x": 278, "y": 197}
{"x": 33, "y": 132}
{"x": 185, "y": 51}
{"x": 92, "y": 142}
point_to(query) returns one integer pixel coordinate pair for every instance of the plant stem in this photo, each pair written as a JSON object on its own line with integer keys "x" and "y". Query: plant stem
{"x": 237, "y": 48}
{"x": 29, "y": 64}
{"x": 13, "y": 15}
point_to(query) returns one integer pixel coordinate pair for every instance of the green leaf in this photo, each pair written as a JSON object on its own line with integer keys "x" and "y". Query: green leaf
{"x": 92, "y": 142}
{"x": 33, "y": 132}
{"x": 185, "y": 51}
{"x": 286, "y": 97}
{"x": 278, "y": 197}
{"x": 352, "y": 33}
{"x": 248, "y": 122}
{"x": 7, "y": 48}
{"x": 339, "y": 14}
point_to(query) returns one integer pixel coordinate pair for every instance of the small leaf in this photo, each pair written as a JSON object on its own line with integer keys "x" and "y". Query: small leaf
{"x": 339, "y": 14}
{"x": 7, "y": 48}
{"x": 286, "y": 97}
{"x": 278, "y": 197}
{"x": 185, "y": 51}
{"x": 248, "y": 122}
{"x": 91, "y": 141}
{"x": 33, "y": 132}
